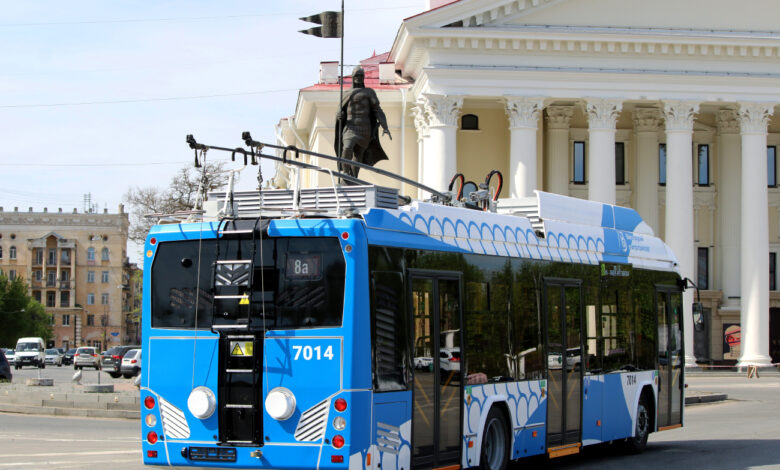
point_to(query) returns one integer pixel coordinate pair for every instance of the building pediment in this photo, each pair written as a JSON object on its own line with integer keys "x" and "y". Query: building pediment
{"x": 664, "y": 34}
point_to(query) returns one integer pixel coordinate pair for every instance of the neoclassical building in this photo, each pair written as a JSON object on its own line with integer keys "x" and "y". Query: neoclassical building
{"x": 667, "y": 107}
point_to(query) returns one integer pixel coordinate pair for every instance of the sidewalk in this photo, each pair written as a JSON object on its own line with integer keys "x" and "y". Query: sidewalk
{"x": 70, "y": 400}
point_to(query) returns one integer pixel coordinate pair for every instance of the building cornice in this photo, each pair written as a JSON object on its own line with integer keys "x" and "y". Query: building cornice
{"x": 590, "y": 42}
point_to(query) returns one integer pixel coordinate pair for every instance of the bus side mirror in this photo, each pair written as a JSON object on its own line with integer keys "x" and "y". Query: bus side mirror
{"x": 698, "y": 316}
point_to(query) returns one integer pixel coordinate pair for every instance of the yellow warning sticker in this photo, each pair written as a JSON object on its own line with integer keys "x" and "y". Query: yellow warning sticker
{"x": 241, "y": 348}
{"x": 244, "y": 300}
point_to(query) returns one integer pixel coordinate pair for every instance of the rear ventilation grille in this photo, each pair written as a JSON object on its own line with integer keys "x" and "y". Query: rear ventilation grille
{"x": 388, "y": 439}
{"x": 173, "y": 421}
{"x": 311, "y": 427}
{"x": 323, "y": 200}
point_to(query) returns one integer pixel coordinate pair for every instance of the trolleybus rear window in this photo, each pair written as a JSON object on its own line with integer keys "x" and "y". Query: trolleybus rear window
{"x": 298, "y": 283}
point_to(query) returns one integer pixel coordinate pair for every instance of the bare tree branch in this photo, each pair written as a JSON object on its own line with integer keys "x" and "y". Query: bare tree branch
{"x": 180, "y": 195}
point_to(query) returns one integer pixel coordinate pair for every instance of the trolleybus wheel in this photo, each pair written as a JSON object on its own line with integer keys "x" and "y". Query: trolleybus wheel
{"x": 495, "y": 442}
{"x": 638, "y": 443}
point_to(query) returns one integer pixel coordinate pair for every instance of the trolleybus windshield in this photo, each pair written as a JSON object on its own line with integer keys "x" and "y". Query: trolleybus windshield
{"x": 298, "y": 283}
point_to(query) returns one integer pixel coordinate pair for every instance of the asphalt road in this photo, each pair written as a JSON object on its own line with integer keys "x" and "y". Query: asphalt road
{"x": 741, "y": 433}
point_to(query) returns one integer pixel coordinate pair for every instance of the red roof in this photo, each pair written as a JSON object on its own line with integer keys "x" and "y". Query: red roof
{"x": 371, "y": 68}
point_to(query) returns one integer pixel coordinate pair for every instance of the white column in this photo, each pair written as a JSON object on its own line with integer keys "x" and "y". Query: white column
{"x": 523, "y": 113}
{"x": 729, "y": 197}
{"x": 647, "y": 122}
{"x": 679, "y": 202}
{"x": 440, "y": 155}
{"x": 557, "y": 163}
{"x": 421, "y": 126}
{"x": 754, "y": 318}
{"x": 602, "y": 117}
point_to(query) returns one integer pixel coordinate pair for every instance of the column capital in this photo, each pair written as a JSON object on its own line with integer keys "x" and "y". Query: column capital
{"x": 523, "y": 111}
{"x": 728, "y": 121}
{"x": 442, "y": 110}
{"x": 417, "y": 111}
{"x": 603, "y": 113}
{"x": 754, "y": 117}
{"x": 679, "y": 115}
{"x": 558, "y": 117}
{"x": 647, "y": 119}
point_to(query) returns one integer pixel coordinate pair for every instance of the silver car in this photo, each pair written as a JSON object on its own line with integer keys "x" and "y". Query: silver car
{"x": 54, "y": 357}
{"x": 86, "y": 357}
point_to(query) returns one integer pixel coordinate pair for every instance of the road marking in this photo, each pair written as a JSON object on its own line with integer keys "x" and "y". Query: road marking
{"x": 44, "y": 439}
{"x": 69, "y": 463}
{"x": 73, "y": 454}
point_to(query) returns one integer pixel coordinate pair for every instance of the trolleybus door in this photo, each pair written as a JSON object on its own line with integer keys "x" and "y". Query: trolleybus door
{"x": 670, "y": 356}
{"x": 563, "y": 314}
{"x": 437, "y": 385}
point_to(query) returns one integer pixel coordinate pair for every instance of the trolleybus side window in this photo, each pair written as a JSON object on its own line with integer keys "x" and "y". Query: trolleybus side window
{"x": 390, "y": 331}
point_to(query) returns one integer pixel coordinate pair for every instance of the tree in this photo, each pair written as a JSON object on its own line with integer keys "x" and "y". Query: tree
{"x": 180, "y": 195}
{"x": 20, "y": 315}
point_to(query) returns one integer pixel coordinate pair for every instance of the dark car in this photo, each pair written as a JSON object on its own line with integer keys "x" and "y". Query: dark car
{"x": 5, "y": 368}
{"x": 111, "y": 361}
{"x": 67, "y": 359}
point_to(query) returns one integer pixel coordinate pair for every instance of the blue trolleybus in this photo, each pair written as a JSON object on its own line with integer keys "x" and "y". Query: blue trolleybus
{"x": 345, "y": 327}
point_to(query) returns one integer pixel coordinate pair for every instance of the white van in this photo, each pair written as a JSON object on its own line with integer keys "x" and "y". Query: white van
{"x": 30, "y": 352}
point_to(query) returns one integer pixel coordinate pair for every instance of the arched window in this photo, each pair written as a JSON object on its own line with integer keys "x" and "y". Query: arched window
{"x": 469, "y": 122}
{"x": 12, "y": 252}
{"x": 91, "y": 253}
{"x": 104, "y": 254}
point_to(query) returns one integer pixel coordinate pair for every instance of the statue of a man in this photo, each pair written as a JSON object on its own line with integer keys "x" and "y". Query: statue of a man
{"x": 358, "y": 120}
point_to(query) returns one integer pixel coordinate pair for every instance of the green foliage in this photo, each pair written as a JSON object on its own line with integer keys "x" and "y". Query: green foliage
{"x": 20, "y": 315}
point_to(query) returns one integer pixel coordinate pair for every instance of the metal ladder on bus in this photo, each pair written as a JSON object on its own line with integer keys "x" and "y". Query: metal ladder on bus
{"x": 240, "y": 344}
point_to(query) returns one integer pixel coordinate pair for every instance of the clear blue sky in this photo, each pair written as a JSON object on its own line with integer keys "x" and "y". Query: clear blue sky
{"x": 97, "y": 96}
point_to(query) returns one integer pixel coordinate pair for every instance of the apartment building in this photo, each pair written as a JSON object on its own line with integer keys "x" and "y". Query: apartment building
{"x": 77, "y": 267}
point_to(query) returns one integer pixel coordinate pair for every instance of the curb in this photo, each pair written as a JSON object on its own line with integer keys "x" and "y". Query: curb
{"x": 709, "y": 398}
{"x": 77, "y": 412}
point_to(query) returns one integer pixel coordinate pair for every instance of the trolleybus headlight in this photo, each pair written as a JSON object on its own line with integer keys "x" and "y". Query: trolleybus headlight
{"x": 339, "y": 423}
{"x": 280, "y": 403}
{"x": 201, "y": 402}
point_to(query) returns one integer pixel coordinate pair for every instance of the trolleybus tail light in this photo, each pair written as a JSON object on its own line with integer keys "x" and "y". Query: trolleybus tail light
{"x": 345, "y": 235}
{"x": 153, "y": 241}
{"x": 151, "y": 420}
{"x": 336, "y": 459}
{"x": 151, "y": 454}
{"x": 151, "y": 437}
{"x": 341, "y": 404}
{"x": 454, "y": 359}
{"x": 338, "y": 441}
{"x": 149, "y": 402}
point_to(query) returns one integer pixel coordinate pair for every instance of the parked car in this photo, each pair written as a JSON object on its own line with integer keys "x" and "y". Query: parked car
{"x": 9, "y": 355}
{"x": 5, "y": 368}
{"x": 67, "y": 358}
{"x": 30, "y": 352}
{"x": 111, "y": 360}
{"x": 86, "y": 357}
{"x": 131, "y": 363}
{"x": 54, "y": 357}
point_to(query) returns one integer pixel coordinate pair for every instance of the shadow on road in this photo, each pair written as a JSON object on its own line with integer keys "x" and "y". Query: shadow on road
{"x": 691, "y": 454}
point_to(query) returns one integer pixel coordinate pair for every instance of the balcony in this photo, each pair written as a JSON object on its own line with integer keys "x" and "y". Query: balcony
{"x": 50, "y": 283}
{"x": 67, "y": 285}
{"x": 36, "y": 284}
